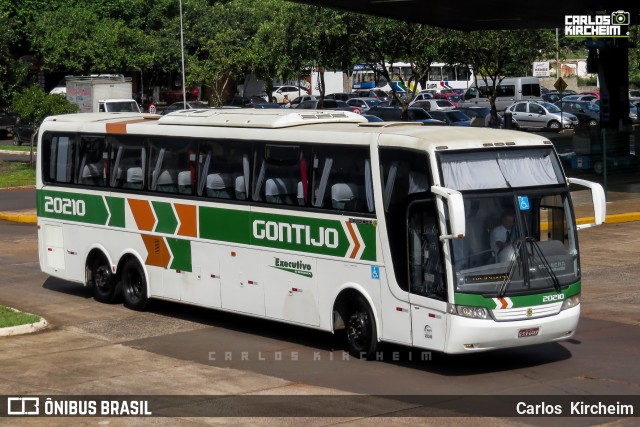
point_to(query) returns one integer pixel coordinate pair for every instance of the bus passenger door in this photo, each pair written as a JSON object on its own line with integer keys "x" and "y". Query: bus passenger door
{"x": 427, "y": 280}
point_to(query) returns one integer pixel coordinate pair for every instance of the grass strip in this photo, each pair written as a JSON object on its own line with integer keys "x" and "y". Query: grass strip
{"x": 10, "y": 317}
{"x": 14, "y": 174}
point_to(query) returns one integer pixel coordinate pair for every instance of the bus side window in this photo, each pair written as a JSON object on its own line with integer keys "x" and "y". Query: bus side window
{"x": 60, "y": 149}
{"x": 280, "y": 176}
{"x": 128, "y": 163}
{"x": 91, "y": 170}
{"x": 342, "y": 179}
{"x": 171, "y": 159}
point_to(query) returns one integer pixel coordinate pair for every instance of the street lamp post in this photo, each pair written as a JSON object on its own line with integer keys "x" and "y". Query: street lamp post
{"x": 184, "y": 89}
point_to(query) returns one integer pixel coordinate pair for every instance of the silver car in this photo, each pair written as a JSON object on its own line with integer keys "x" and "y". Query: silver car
{"x": 541, "y": 115}
{"x": 363, "y": 104}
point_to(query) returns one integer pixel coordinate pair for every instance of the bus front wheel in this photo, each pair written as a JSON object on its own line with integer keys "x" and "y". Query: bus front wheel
{"x": 361, "y": 330}
{"x": 134, "y": 285}
{"x": 105, "y": 285}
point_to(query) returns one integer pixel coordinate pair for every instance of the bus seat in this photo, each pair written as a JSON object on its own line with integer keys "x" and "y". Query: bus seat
{"x": 134, "y": 178}
{"x": 92, "y": 174}
{"x": 219, "y": 185}
{"x": 184, "y": 182}
{"x": 300, "y": 194}
{"x": 241, "y": 191}
{"x": 279, "y": 190}
{"x": 167, "y": 182}
{"x": 344, "y": 196}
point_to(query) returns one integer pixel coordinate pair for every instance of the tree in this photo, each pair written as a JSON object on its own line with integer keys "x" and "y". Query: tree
{"x": 384, "y": 42}
{"x": 13, "y": 73}
{"x": 493, "y": 55}
{"x": 33, "y": 105}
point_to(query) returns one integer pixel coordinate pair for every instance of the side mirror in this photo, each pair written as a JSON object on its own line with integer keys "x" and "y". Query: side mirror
{"x": 598, "y": 198}
{"x": 455, "y": 205}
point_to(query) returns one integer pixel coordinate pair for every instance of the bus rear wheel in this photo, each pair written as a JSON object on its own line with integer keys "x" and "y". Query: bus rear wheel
{"x": 134, "y": 285}
{"x": 105, "y": 285}
{"x": 362, "y": 336}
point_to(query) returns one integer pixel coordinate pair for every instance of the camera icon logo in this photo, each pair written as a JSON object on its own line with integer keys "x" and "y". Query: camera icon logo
{"x": 620, "y": 17}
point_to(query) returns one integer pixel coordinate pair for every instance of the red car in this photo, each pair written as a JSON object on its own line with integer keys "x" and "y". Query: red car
{"x": 596, "y": 94}
{"x": 451, "y": 97}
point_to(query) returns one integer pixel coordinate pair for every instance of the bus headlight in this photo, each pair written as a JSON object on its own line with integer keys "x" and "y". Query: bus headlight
{"x": 571, "y": 302}
{"x": 470, "y": 312}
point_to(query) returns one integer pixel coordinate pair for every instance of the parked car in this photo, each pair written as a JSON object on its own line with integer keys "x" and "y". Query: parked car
{"x": 634, "y": 96}
{"x": 394, "y": 114}
{"x": 242, "y": 101}
{"x": 296, "y": 101}
{"x": 373, "y": 93}
{"x": 291, "y": 91}
{"x": 421, "y": 96}
{"x": 22, "y": 133}
{"x": 596, "y": 94}
{"x": 433, "y": 104}
{"x": 371, "y": 118}
{"x": 327, "y": 104}
{"x": 552, "y": 96}
{"x": 7, "y": 122}
{"x": 191, "y": 105}
{"x": 449, "y": 96}
{"x": 341, "y": 96}
{"x": 588, "y": 113}
{"x": 263, "y": 105}
{"x": 541, "y": 115}
{"x": 363, "y": 104}
{"x": 451, "y": 117}
{"x": 588, "y": 98}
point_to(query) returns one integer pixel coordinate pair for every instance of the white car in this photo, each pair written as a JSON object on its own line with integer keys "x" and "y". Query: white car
{"x": 434, "y": 104}
{"x": 291, "y": 91}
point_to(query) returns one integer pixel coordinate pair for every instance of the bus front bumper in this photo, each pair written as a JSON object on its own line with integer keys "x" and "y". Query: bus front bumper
{"x": 469, "y": 335}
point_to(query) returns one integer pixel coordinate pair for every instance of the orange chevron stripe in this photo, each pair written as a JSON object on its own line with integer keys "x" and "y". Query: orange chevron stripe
{"x": 503, "y": 302}
{"x": 188, "y": 222}
{"x": 157, "y": 251}
{"x": 120, "y": 128}
{"x": 355, "y": 240}
{"x": 143, "y": 214}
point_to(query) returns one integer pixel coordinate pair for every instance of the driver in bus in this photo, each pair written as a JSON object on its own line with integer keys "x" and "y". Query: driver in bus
{"x": 503, "y": 235}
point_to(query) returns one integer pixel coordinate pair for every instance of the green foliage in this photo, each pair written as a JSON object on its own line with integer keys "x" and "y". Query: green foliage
{"x": 9, "y": 317}
{"x": 33, "y": 105}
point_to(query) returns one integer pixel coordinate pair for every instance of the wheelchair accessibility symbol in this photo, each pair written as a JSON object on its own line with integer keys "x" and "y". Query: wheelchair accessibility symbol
{"x": 375, "y": 272}
{"x": 523, "y": 202}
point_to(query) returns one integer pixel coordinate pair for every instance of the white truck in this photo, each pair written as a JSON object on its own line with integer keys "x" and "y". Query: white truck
{"x": 101, "y": 93}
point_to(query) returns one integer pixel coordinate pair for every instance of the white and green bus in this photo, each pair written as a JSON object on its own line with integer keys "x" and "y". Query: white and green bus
{"x": 318, "y": 219}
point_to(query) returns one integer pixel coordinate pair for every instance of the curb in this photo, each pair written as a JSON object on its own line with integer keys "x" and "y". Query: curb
{"x": 19, "y": 217}
{"x": 23, "y": 329}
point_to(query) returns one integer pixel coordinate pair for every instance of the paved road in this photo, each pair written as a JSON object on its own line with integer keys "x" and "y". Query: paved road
{"x": 94, "y": 348}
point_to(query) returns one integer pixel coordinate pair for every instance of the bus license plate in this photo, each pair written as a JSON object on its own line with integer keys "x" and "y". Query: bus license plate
{"x": 531, "y": 332}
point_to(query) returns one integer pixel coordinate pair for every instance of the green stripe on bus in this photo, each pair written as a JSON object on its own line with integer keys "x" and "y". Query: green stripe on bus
{"x": 475, "y": 300}
{"x": 181, "y": 251}
{"x": 116, "y": 208}
{"x": 85, "y": 208}
{"x": 167, "y": 222}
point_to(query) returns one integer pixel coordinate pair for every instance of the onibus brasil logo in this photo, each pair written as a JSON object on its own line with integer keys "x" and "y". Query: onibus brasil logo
{"x": 598, "y": 26}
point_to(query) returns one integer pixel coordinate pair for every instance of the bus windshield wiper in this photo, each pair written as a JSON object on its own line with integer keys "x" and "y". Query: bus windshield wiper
{"x": 535, "y": 249}
{"x": 512, "y": 267}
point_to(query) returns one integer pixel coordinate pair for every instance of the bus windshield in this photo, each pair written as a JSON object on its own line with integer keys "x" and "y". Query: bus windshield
{"x": 519, "y": 234}
{"x": 516, "y": 244}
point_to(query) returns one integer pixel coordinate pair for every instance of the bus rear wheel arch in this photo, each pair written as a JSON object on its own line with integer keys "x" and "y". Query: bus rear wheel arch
{"x": 134, "y": 284}
{"x": 353, "y": 313}
{"x": 99, "y": 276}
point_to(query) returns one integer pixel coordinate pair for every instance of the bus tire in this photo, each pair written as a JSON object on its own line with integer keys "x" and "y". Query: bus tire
{"x": 134, "y": 285}
{"x": 362, "y": 336}
{"x": 106, "y": 288}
